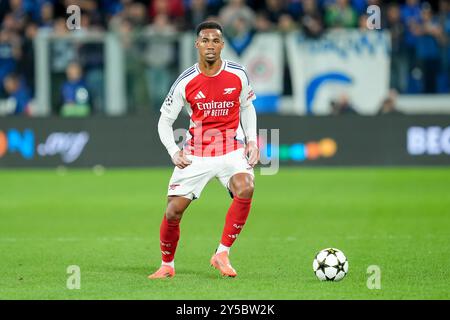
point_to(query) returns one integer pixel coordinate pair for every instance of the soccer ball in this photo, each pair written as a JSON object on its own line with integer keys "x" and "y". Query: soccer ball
{"x": 330, "y": 265}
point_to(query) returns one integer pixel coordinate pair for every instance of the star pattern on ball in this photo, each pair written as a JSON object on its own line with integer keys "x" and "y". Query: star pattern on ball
{"x": 340, "y": 266}
{"x": 331, "y": 251}
{"x": 322, "y": 265}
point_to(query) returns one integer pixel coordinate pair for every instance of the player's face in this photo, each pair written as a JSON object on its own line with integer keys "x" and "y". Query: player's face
{"x": 209, "y": 44}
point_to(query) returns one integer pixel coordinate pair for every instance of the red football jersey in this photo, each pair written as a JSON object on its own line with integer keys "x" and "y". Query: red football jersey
{"x": 213, "y": 104}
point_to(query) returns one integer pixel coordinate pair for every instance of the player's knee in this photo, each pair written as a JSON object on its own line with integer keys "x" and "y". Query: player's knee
{"x": 242, "y": 186}
{"x": 174, "y": 212}
{"x": 245, "y": 190}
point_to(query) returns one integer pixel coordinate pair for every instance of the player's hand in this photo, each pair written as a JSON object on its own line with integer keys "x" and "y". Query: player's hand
{"x": 252, "y": 153}
{"x": 180, "y": 160}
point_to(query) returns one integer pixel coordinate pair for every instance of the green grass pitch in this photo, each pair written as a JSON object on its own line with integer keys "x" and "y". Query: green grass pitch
{"x": 108, "y": 225}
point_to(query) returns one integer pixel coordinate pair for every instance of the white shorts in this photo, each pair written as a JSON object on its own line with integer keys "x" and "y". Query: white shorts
{"x": 190, "y": 181}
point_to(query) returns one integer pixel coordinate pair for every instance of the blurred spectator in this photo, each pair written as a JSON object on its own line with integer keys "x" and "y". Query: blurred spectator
{"x": 214, "y": 6}
{"x": 62, "y": 52}
{"x": 262, "y": 23}
{"x": 117, "y": 10}
{"x": 360, "y": 6}
{"x": 91, "y": 56}
{"x": 362, "y": 22}
{"x": 285, "y": 23}
{"x": 340, "y": 15}
{"x": 10, "y": 53}
{"x": 134, "y": 14}
{"x": 399, "y": 67}
{"x": 274, "y": 10}
{"x": 278, "y": 15}
{"x": 196, "y": 13}
{"x": 238, "y": 24}
{"x": 342, "y": 106}
{"x": 17, "y": 14}
{"x": 389, "y": 105}
{"x": 74, "y": 93}
{"x": 18, "y": 96}
{"x": 239, "y": 34}
{"x": 174, "y": 9}
{"x": 90, "y": 9}
{"x": 131, "y": 26}
{"x": 46, "y": 16}
{"x": 311, "y": 20}
{"x": 295, "y": 8}
{"x": 138, "y": 16}
{"x": 26, "y": 63}
{"x": 444, "y": 20}
{"x": 116, "y": 21}
{"x": 134, "y": 45}
{"x": 430, "y": 35}
{"x": 410, "y": 15}
{"x": 410, "y": 11}
{"x": 34, "y": 8}
{"x": 159, "y": 55}
{"x": 233, "y": 10}
{"x": 111, "y": 8}
{"x": 4, "y": 7}
{"x": 255, "y": 5}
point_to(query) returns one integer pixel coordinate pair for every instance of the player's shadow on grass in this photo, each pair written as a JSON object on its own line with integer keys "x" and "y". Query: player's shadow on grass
{"x": 132, "y": 269}
{"x": 203, "y": 273}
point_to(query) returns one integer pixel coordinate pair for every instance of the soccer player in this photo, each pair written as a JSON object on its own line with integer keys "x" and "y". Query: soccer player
{"x": 220, "y": 142}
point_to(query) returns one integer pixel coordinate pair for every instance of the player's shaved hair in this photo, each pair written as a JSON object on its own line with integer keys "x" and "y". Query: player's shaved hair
{"x": 208, "y": 25}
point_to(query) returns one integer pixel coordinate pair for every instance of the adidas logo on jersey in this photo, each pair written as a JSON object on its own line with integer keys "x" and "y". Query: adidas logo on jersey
{"x": 200, "y": 95}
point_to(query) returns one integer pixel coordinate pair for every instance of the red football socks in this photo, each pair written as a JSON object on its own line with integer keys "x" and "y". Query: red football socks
{"x": 235, "y": 220}
{"x": 169, "y": 234}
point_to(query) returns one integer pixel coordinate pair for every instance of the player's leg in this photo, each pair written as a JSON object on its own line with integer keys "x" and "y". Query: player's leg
{"x": 170, "y": 227}
{"x": 241, "y": 186}
{"x": 184, "y": 186}
{"x": 169, "y": 233}
{"x": 238, "y": 178}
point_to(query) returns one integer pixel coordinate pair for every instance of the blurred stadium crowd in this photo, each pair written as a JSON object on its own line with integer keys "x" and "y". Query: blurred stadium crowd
{"x": 420, "y": 60}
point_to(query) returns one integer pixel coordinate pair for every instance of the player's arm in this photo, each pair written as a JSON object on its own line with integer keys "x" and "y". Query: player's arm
{"x": 169, "y": 113}
{"x": 248, "y": 121}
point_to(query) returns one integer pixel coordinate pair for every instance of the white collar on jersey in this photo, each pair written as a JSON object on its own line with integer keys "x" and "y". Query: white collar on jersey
{"x": 220, "y": 70}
